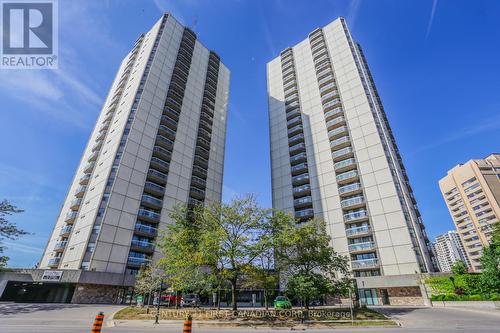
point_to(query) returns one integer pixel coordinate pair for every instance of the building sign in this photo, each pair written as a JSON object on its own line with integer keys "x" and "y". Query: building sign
{"x": 53, "y": 276}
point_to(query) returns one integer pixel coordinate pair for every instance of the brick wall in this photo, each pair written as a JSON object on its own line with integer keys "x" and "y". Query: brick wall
{"x": 96, "y": 294}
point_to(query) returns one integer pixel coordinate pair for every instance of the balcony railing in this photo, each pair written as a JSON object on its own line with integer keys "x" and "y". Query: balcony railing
{"x": 355, "y": 215}
{"x": 292, "y": 113}
{"x": 167, "y": 131}
{"x": 199, "y": 171}
{"x": 302, "y": 189}
{"x": 159, "y": 163}
{"x": 362, "y": 230}
{"x": 157, "y": 175}
{"x": 325, "y": 79}
{"x": 365, "y": 263}
{"x": 295, "y": 129}
{"x": 60, "y": 245}
{"x": 84, "y": 180}
{"x": 352, "y": 201}
{"x": 197, "y": 193}
{"x": 297, "y": 158}
{"x": 70, "y": 217}
{"x": 162, "y": 152}
{"x": 327, "y": 87}
{"x": 335, "y": 121}
{"x": 366, "y": 246}
{"x": 329, "y": 95}
{"x": 337, "y": 131}
{"x": 146, "y": 229}
{"x": 80, "y": 190}
{"x": 137, "y": 261}
{"x": 300, "y": 179}
{"x": 350, "y": 188}
{"x": 298, "y": 147}
{"x": 164, "y": 142}
{"x": 151, "y": 201}
{"x": 75, "y": 204}
{"x": 302, "y": 201}
{"x": 197, "y": 181}
{"x": 299, "y": 168}
{"x": 154, "y": 188}
{"x": 143, "y": 245}
{"x": 345, "y": 163}
{"x": 66, "y": 230}
{"x": 295, "y": 138}
{"x": 294, "y": 121}
{"x": 305, "y": 213}
{"x": 344, "y": 151}
{"x": 340, "y": 141}
{"x": 148, "y": 214}
{"x": 89, "y": 167}
{"x": 54, "y": 261}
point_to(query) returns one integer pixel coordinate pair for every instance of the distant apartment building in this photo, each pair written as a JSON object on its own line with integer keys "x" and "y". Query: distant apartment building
{"x": 334, "y": 157}
{"x": 449, "y": 249}
{"x": 159, "y": 141}
{"x": 472, "y": 193}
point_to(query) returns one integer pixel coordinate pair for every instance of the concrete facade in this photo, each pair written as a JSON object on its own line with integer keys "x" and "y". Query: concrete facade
{"x": 472, "y": 194}
{"x": 158, "y": 142}
{"x": 334, "y": 157}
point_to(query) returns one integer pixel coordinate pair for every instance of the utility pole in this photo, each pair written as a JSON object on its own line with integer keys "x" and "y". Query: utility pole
{"x": 157, "y": 316}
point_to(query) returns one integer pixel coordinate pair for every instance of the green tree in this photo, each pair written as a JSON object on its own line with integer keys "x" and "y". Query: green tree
{"x": 308, "y": 261}
{"x": 459, "y": 268}
{"x": 490, "y": 263}
{"x": 8, "y": 229}
{"x": 148, "y": 280}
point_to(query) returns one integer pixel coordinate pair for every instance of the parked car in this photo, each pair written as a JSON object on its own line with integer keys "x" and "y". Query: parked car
{"x": 190, "y": 300}
{"x": 171, "y": 299}
{"x": 282, "y": 302}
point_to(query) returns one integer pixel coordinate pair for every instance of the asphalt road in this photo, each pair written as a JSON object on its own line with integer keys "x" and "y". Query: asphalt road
{"x": 71, "y": 318}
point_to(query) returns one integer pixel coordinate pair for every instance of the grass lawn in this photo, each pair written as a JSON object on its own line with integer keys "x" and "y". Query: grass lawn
{"x": 258, "y": 317}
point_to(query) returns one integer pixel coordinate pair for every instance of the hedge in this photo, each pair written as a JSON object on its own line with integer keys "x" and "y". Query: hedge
{"x": 475, "y": 297}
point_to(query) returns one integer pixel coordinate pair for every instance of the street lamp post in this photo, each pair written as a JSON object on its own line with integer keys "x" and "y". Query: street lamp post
{"x": 157, "y": 316}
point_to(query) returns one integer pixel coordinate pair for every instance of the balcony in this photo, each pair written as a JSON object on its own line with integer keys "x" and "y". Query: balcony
{"x": 300, "y": 157}
{"x": 364, "y": 264}
{"x": 319, "y": 60}
{"x": 171, "y": 112}
{"x": 157, "y": 176}
{"x": 296, "y": 138}
{"x": 148, "y": 215}
{"x": 162, "y": 153}
{"x": 204, "y": 133}
{"x": 145, "y": 230}
{"x": 203, "y": 142}
{"x": 323, "y": 68}
{"x": 89, "y": 167}
{"x": 327, "y": 98}
{"x": 203, "y": 162}
{"x": 142, "y": 246}
{"x": 347, "y": 177}
{"x": 340, "y": 142}
{"x": 65, "y": 231}
{"x": 137, "y": 261}
{"x": 350, "y": 189}
{"x": 159, "y": 164}
{"x": 197, "y": 193}
{"x": 169, "y": 122}
{"x": 327, "y": 87}
{"x": 59, "y": 247}
{"x": 358, "y": 231}
{"x": 151, "y": 202}
{"x": 80, "y": 191}
{"x": 84, "y": 180}
{"x": 167, "y": 132}
{"x": 97, "y": 146}
{"x": 104, "y": 127}
{"x": 299, "y": 168}
{"x": 342, "y": 154}
{"x": 354, "y": 202}
{"x": 300, "y": 179}
{"x": 362, "y": 247}
{"x": 54, "y": 262}
{"x": 205, "y": 125}
{"x": 75, "y": 204}
{"x": 329, "y": 115}
{"x": 202, "y": 152}
{"x": 289, "y": 100}
{"x": 194, "y": 202}
{"x": 356, "y": 215}
{"x": 299, "y": 147}
{"x": 327, "y": 79}
{"x": 294, "y": 121}
{"x": 345, "y": 165}
{"x": 198, "y": 182}
{"x": 70, "y": 217}
{"x": 164, "y": 142}
{"x": 199, "y": 171}
{"x": 302, "y": 202}
{"x": 337, "y": 132}
{"x": 336, "y": 122}
{"x": 295, "y": 130}
{"x": 154, "y": 189}
{"x": 304, "y": 214}
{"x": 302, "y": 190}
{"x": 93, "y": 157}
{"x": 293, "y": 113}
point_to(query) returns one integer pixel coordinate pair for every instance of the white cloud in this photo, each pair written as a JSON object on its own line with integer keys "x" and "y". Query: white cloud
{"x": 431, "y": 19}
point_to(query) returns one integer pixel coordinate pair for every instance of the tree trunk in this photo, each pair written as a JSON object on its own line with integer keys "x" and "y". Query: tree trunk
{"x": 218, "y": 298}
{"x": 306, "y": 303}
{"x": 233, "y": 295}
{"x": 265, "y": 299}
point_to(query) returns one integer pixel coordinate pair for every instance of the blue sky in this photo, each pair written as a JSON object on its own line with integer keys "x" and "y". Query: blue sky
{"x": 435, "y": 64}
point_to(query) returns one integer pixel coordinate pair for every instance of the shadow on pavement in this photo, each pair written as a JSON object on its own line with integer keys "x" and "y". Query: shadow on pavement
{"x": 393, "y": 311}
{"x": 17, "y": 308}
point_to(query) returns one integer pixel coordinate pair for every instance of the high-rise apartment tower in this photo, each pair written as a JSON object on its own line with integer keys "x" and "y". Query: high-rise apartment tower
{"x": 449, "y": 249}
{"x": 334, "y": 157}
{"x": 472, "y": 193}
{"x": 158, "y": 141}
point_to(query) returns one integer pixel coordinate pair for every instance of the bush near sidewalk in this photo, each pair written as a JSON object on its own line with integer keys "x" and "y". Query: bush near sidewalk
{"x": 454, "y": 297}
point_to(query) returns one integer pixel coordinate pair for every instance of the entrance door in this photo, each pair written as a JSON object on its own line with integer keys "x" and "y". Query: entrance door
{"x": 368, "y": 296}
